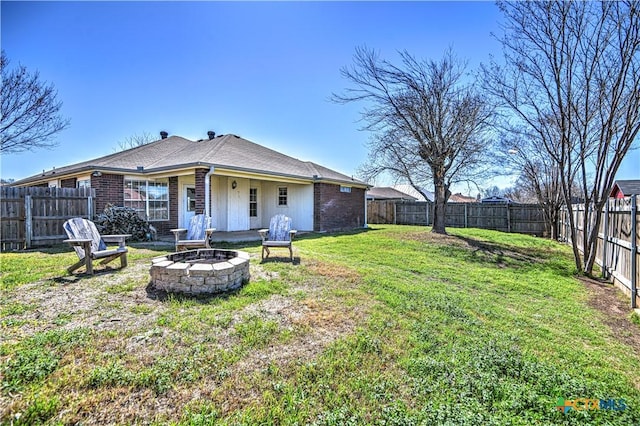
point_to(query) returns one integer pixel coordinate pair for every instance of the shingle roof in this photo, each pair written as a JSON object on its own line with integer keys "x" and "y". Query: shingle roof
{"x": 226, "y": 151}
{"x": 388, "y": 193}
{"x": 410, "y": 190}
{"x": 629, "y": 187}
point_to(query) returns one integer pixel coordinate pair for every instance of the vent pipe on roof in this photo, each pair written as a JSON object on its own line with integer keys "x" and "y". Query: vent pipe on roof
{"x": 211, "y": 134}
{"x": 164, "y": 134}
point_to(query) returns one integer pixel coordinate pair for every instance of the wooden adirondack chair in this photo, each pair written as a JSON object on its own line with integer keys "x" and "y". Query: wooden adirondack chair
{"x": 198, "y": 233}
{"x": 90, "y": 245}
{"x": 279, "y": 234}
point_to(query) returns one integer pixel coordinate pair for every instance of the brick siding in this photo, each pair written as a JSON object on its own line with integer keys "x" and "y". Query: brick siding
{"x": 335, "y": 210}
{"x": 109, "y": 190}
{"x": 200, "y": 196}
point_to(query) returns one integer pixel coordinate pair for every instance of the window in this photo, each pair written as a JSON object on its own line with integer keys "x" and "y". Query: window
{"x": 282, "y": 196}
{"x": 191, "y": 199}
{"x": 150, "y": 199}
{"x": 345, "y": 189}
{"x": 84, "y": 183}
{"x": 253, "y": 202}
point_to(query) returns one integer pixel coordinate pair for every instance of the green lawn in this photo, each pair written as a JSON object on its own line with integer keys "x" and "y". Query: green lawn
{"x": 392, "y": 325}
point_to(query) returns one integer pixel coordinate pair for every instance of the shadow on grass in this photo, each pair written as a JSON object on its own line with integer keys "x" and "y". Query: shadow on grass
{"x": 506, "y": 255}
{"x": 204, "y": 299}
{"x": 98, "y": 271}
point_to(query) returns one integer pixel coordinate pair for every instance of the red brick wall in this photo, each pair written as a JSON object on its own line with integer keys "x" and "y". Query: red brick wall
{"x": 200, "y": 196}
{"x": 109, "y": 190}
{"x": 68, "y": 183}
{"x": 337, "y": 211}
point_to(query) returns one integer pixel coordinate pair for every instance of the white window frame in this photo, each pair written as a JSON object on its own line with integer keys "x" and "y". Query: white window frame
{"x": 150, "y": 205}
{"x": 345, "y": 189}
{"x": 281, "y": 196}
{"x": 253, "y": 202}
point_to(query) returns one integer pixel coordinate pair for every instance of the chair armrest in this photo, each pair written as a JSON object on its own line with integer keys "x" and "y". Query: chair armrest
{"x": 77, "y": 241}
{"x": 85, "y": 243}
{"x": 116, "y": 239}
{"x": 177, "y": 231}
{"x": 292, "y": 234}
{"x": 263, "y": 233}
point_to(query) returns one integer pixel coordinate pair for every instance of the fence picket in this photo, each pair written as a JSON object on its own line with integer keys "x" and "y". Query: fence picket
{"x": 518, "y": 218}
{"x": 31, "y": 217}
{"x": 617, "y": 243}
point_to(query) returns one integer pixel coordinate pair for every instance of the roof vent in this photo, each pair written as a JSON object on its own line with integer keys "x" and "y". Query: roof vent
{"x": 211, "y": 134}
{"x": 164, "y": 134}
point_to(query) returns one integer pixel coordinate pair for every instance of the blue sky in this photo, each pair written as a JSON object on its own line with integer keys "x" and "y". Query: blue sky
{"x": 261, "y": 70}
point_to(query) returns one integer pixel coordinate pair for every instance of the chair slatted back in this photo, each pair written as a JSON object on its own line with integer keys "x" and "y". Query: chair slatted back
{"x": 279, "y": 228}
{"x": 197, "y": 226}
{"x": 79, "y": 228}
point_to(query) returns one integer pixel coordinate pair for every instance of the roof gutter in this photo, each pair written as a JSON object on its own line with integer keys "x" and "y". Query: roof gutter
{"x": 207, "y": 192}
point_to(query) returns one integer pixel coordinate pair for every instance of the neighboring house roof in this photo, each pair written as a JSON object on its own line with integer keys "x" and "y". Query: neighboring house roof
{"x": 495, "y": 199}
{"x": 387, "y": 193}
{"x": 225, "y": 151}
{"x": 625, "y": 188}
{"x": 410, "y": 190}
{"x": 459, "y": 198}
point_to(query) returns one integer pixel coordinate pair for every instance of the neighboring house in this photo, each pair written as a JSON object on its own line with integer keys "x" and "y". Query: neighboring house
{"x": 496, "y": 199}
{"x": 410, "y": 190}
{"x": 240, "y": 184}
{"x": 459, "y": 198}
{"x": 414, "y": 195}
{"x": 388, "y": 194}
{"x": 625, "y": 188}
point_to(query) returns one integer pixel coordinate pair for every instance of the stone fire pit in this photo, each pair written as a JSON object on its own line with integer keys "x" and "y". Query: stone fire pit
{"x": 202, "y": 271}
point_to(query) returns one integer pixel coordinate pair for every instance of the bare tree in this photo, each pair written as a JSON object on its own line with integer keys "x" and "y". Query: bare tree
{"x": 29, "y": 110}
{"x": 135, "y": 140}
{"x": 571, "y": 76}
{"x": 524, "y": 153}
{"x": 427, "y": 124}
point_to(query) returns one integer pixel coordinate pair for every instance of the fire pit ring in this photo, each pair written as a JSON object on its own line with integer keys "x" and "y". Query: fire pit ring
{"x": 202, "y": 271}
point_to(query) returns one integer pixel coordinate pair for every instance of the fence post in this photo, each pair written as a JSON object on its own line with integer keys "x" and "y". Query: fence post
{"x": 634, "y": 249}
{"x": 28, "y": 221}
{"x": 90, "y": 208}
{"x": 466, "y": 216}
{"x": 508, "y": 218}
{"x": 605, "y": 242}
{"x": 395, "y": 213}
{"x": 428, "y": 209}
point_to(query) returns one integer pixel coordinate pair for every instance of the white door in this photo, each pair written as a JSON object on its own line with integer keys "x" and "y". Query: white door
{"x": 254, "y": 208}
{"x": 188, "y": 204}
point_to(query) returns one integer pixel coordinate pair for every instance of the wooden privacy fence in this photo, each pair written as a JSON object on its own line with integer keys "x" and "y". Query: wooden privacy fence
{"x": 618, "y": 243}
{"x": 31, "y": 217}
{"x": 519, "y": 218}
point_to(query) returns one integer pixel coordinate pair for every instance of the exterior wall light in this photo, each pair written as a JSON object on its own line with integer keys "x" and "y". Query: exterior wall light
{"x": 234, "y": 184}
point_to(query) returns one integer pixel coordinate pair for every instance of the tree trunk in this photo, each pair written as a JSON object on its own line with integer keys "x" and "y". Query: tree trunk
{"x": 441, "y": 196}
{"x": 591, "y": 238}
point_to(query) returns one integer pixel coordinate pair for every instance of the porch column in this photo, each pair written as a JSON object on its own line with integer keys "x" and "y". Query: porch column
{"x": 201, "y": 175}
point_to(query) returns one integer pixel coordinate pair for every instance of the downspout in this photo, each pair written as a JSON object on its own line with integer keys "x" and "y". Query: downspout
{"x": 365, "y": 210}
{"x": 207, "y": 192}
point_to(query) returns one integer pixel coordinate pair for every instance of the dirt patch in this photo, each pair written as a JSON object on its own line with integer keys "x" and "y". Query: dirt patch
{"x": 118, "y": 305}
{"x": 606, "y": 298}
{"x": 85, "y": 301}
